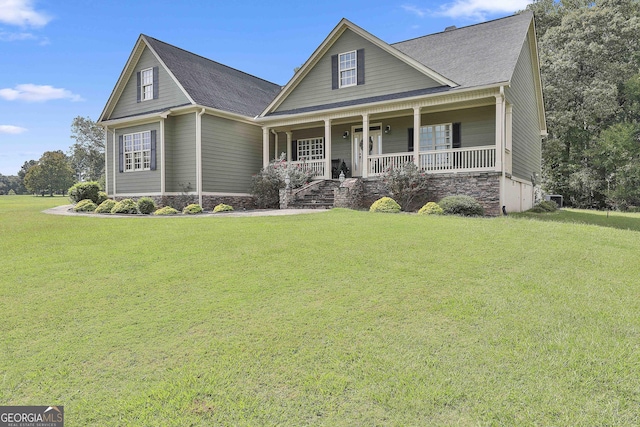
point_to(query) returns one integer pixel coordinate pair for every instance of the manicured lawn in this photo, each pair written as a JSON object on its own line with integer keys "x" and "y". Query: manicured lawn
{"x": 339, "y": 319}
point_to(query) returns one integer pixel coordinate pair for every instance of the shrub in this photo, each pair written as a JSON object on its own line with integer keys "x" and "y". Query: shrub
{"x": 461, "y": 205}
{"x": 102, "y": 196}
{"x": 167, "y": 210}
{"x": 146, "y": 205}
{"x": 548, "y": 205}
{"x": 106, "y": 206}
{"x": 405, "y": 183}
{"x": 222, "y": 208}
{"x": 385, "y": 204}
{"x": 537, "y": 209}
{"x": 266, "y": 184}
{"x": 11, "y": 193}
{"x": 125, "y": 206}
{"x": 84, "y": 190}
{"x": 192, "y": 209}
{"x": 85, "y": 205}
{"x": 431, "y": 208}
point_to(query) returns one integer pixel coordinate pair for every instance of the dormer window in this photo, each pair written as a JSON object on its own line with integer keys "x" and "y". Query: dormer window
{"x": 347, "y": 69}
{"x": 147, "y": 84}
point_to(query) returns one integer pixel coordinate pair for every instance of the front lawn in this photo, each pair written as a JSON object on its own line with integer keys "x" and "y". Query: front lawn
{"x": 341, "y": 318}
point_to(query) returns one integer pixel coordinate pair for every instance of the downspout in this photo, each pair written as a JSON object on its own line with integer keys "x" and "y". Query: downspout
{"x": 199, "y": 154}
{"x": 503, "y": 126}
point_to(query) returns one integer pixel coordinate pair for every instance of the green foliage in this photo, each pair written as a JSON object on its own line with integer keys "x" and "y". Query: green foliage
{"x": 222, "y": 208}
{"x": 85, "y": 205}
{"x": 51, "y": 174}
{"x": 167, "y": 210}
{"x": 548, "y": 205}
{"x": 106, "y": 206}
{"x": 461, "y": 205}
{"x": 11, "y": 192}
{"x": 537, "y": 209}
{"x": 85, "y": 190}
{"x": 406, "y": 183}
{"x": 146, "y": 205}
{"x": 102, "y": 196}
{"x": 125, "y": 206}
{"x": 87, "y": 154}
{"x": 192, "y": 209}
{"x": 386, "y": 205}
{"x": 431, "y": 208}
{"x": 266, "y": 184}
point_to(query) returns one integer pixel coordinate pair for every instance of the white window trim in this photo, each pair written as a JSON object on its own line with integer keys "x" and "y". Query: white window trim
{"x": 142, "y": 85}
{"x": 449, "y": 145}
{"x": 311, "y": 142}
{"x": 354, "y": 68}
{"x": 133, "y": 151}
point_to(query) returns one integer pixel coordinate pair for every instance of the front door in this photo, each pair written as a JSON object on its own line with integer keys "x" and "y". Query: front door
{"x": 374, "y": 146}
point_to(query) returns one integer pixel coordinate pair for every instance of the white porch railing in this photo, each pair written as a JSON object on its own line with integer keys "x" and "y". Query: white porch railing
{"x": 315, "y": 166}
{"x": 472, "y": 159}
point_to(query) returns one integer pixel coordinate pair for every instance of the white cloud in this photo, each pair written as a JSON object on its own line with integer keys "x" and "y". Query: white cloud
{"x": 37, "y": 93}
{"x": 22, "y": 13}
{"x": 420, "y": 13}
{"x": 10, "y": 37}
{"x": 479, "y": 9}
{"x": 13, "y": 130}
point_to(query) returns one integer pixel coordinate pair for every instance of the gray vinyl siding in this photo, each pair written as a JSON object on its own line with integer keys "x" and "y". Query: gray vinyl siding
{"x": 384, "y": 74}
{"x": 169, "y": 94}
{"x": 180, "y": 159}
{"x": 138, "y": 182}
{"x": 108, "y": 149}
{"x": 231, "y": 154}
{"x": 526, "y": 146}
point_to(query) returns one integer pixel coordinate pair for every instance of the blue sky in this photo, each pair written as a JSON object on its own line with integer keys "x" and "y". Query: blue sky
{"x": 61, "y": 59}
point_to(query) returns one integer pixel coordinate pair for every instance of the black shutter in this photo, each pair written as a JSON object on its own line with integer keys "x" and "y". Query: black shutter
{"x": 334, "y": 72}
{"x": 138, "y": 86}
{"x": 360, "y": 66}
{"x": 153, "y": 150}
{"x": 294, "y": 150}
{"x": 410, "y": 139}
{"x": 121, "y": 158}
{"x": 155, "y": 83}
{"x": 456, "y": 140}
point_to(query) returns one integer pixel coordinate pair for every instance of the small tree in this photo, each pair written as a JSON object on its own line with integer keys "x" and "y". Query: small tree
{"x": 406, "y": 183}
{"x": 87, "y": 153}
{"x": 52, "y": 173}
{"x": 267, "y": 183}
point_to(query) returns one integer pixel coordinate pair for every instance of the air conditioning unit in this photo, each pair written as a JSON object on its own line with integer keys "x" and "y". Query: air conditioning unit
{"x": 555, "y": 198}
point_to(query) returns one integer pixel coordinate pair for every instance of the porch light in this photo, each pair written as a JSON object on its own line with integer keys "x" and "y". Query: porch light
{"x": 345, "y": 135}
{"x": 387, "y": 129}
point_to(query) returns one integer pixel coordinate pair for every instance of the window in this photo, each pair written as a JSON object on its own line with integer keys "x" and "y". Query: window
{"x": 435, "y": 137}
{"x": 311, "y": 149}
{"x": 146, "y": 85}
{"x": 347, "y": 69}
{"x": 137, "y": 151}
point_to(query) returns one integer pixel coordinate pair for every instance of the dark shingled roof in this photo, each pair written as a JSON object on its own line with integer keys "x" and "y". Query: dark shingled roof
{"x": 215, "y": 85}
{"x": 473, "y": 56}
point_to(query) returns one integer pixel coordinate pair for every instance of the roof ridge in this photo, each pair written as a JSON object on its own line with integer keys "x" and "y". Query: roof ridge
{"x": 210, "y": 60}
{"x": 465, "y": 27}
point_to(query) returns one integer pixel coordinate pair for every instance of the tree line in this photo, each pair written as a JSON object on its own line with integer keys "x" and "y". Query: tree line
{"x": 56, "y": 171}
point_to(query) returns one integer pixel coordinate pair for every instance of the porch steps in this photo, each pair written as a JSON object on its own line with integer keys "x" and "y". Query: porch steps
{"x": 319, "y": 196}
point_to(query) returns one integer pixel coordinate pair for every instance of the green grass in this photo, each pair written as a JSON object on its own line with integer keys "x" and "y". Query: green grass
{"x": 340, "y": 319}
{"x": 620, "y": 220}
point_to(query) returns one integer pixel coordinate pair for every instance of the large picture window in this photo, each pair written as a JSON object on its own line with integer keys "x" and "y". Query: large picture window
{"x": 347, "y": 63}
{"x": 435, "y": 137}
{"x": 137, "y": 151}
{"x": 311, "y": 149}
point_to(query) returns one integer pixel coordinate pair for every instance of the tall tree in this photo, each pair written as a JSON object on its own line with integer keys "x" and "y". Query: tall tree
{"x": 52, "y": 174}
{"x": 23, "y": 172}
{"x": 87, "y": 153}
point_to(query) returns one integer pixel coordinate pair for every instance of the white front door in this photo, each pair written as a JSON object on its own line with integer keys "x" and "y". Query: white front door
{"x": 374, "y": 146}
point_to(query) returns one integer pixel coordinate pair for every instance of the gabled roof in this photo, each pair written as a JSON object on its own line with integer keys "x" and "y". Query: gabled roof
{"x": 215, "y": 85}
{"x": 476, "y": 55}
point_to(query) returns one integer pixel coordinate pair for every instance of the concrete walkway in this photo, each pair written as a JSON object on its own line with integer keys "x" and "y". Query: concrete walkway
{"x": 67, "y": 210}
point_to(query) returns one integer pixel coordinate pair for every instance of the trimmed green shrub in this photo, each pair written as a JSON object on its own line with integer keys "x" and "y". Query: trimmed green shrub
{"x": 167, "y": 210}
{"x": 11, "y": 193}
{"x": 146, "y": 205}
{"x": 222, "y": 208}
{"x": 102, "y": 196}
{"x": 84, "y": 190}
{"x": 548, "y": 205}
{"x": 125, "y": 206}
{"x": 106, "y": 206}
{"x": 431, "y": 208}
{"x": 461, "y": 205}
{"x": 85, "y": 205}
{"x": 537, "y": 209}
{"x": 192, "y": 209}
{"x": 385, "y": 204}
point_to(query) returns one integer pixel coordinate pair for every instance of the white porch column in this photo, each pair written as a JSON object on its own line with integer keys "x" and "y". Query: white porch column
{"x": 276, "y": 153}
{"x": 327, "y": 148}
{"x": 416, "y": 136}
{"x": 289, "y": 138}
{"x": 365, "y": 145}
{"x": 265, "y": 147}
{"x": 508, "y": 136}
{"x": 162, "y": 159}
{"x": 499, "y": 131}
